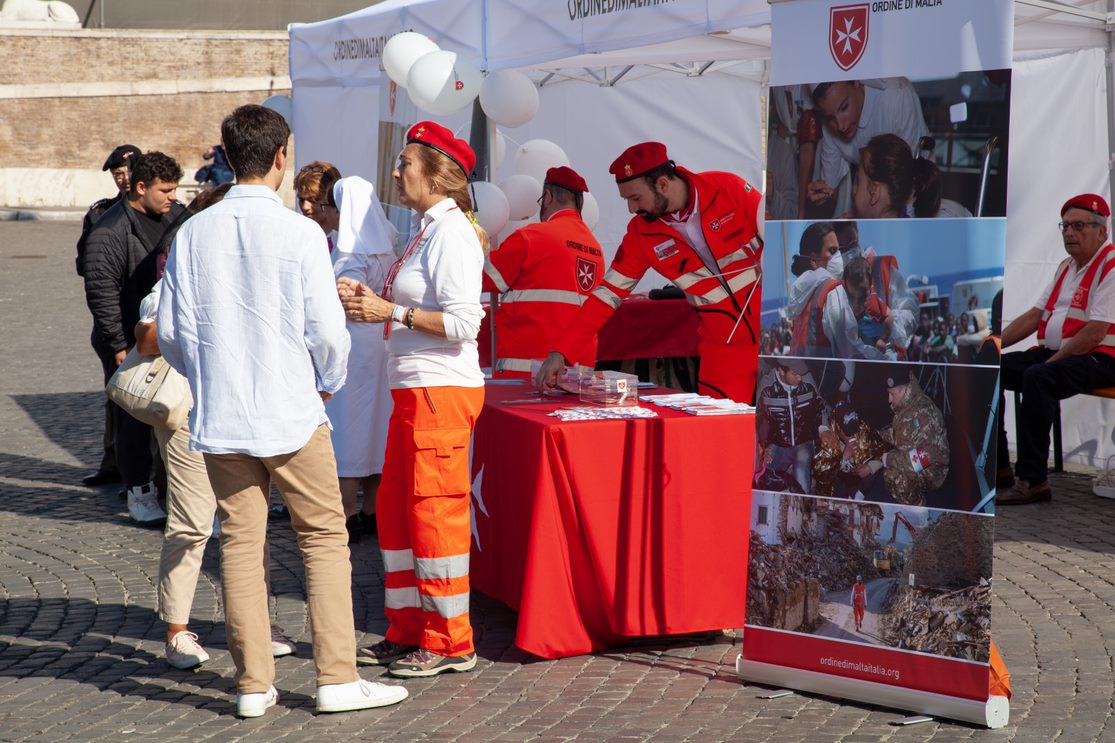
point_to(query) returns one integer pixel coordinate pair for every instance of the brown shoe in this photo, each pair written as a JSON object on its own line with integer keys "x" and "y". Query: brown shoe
{"x": 1004, "y": 478}
{"x": 1023, "y": 492}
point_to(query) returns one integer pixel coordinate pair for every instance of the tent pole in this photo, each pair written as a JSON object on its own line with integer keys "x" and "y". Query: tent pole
{"x": 480, "y": 142}
{"x": 1110, "y": 75}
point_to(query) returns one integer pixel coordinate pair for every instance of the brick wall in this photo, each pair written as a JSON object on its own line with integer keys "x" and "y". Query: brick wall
{"x": 67, "y": 98}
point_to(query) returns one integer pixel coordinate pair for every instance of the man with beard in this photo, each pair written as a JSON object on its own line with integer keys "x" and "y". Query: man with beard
{"x": 918, "y": 461}
{"x": 702, "y": 231}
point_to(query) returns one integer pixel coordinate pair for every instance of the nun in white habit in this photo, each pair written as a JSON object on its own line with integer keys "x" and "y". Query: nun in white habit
{"x": 363, "y": 250}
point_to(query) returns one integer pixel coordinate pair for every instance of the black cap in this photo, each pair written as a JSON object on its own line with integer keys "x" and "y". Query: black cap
{"x": 847, "y": 418}
{"x": 898, "y": 381}
{"x": 791, "y": 364}
{"x": 123, "y": 155}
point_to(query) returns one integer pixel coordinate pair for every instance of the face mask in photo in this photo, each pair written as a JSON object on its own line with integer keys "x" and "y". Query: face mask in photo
{"x": 836, "y": 265}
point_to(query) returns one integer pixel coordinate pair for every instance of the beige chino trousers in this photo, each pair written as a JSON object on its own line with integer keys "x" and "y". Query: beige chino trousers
{"x": 307, "y": 481}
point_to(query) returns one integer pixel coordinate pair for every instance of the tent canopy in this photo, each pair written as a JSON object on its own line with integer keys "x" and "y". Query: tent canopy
{"x": 547, "y": 35}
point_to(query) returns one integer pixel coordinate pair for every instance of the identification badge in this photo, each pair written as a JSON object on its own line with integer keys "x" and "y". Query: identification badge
{"x": 664, "y": 250}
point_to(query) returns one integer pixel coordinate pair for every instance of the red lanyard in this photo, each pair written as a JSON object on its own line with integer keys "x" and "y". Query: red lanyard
{"x": 394, "y": 272}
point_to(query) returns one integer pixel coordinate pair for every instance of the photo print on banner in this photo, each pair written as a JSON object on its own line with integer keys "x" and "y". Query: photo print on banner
{"x": 893, "y": 576}
{"x": 871, "y": 533}
{"x": 907, "y": 434}
{"x": 885, "y": 290}
{"x": 890, "y": 148}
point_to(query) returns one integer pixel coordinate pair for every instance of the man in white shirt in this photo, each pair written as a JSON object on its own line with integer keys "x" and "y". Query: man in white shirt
{"x": 250, "y": 314}
{"x": 1075, "y": 322}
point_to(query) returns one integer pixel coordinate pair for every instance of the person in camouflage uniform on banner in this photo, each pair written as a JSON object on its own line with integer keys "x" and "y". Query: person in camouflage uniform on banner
{"x": 919, "y": 459}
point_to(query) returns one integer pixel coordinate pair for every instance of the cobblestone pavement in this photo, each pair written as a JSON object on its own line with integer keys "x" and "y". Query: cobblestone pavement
{"x": 81, "y": 649}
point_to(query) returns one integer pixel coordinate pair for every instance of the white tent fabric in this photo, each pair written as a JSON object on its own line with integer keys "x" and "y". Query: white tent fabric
{"x": 1060, "y": 104}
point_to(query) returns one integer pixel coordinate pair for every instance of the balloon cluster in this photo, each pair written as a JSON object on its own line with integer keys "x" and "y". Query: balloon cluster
{"x": 441, "y": 82}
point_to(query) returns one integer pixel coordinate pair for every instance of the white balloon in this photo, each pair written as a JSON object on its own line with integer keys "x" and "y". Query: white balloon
{"x": 401, "y": 52}
{"x": 536, "y": 156}
{"x": 522, "y": 193}
{"x": 515, "y": 225}
{"x": 590, "y": 211}
{"x": 491, "y": 206}
{"x": 441, "y": 83}
{"x": 282, "y": 105}
{"x": 509, "y": 98}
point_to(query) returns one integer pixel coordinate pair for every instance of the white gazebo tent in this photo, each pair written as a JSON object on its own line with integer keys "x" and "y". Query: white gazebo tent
{"x": 691, "y": 73}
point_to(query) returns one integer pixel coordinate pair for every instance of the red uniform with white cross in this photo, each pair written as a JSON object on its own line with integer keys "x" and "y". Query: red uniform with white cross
{"x": 544, "y": 273}
{"x": 712, "y": 251}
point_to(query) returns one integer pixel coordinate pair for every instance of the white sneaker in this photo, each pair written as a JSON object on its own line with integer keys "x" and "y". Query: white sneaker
{"x": 358, "y": 695}
{"x": 143, "y": 505}
{"x": 183, "y": 651}
{"x": 254, "y": 705}
{"x": 280, "y": 643}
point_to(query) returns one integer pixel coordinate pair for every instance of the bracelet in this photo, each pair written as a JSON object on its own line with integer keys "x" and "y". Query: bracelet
{"x": 409, "y": 318}
{"x": 399, "y": 313}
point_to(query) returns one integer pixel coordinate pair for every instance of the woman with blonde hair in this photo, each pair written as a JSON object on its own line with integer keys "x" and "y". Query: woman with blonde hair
{"x": 430, "y": 310}
{"x": 362, "y": 246}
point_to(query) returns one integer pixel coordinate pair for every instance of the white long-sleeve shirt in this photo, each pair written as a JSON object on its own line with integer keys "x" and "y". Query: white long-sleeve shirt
{"x": 443, "y": 274}
{"x": 249, "y": 313}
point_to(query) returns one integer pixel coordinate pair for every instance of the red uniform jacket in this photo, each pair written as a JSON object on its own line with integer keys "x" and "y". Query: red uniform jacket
{"x": 728, "y": 301}
{"x": 543, "y": 272}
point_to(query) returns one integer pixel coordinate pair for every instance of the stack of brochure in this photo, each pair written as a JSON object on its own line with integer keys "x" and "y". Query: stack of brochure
{"x": 694, "y": 404}
{"x": 602, "y": 413}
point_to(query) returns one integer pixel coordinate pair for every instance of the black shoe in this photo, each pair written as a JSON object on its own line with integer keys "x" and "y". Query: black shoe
{"x": 383, "y": 653}
{"x": 100, "y": 477}
{"x": 278, "y": 513}
{"x": 368, "y": 523}
{"x": 354, "y": 529}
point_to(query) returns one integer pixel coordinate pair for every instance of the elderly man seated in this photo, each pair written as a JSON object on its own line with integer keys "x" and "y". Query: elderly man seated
{"x": 1076, "y": 346}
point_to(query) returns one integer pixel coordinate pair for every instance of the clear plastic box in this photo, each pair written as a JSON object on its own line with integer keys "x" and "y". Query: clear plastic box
{"x": 608, "y": 388}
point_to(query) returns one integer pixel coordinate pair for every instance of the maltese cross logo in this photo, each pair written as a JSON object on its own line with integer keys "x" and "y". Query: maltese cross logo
{"x": 586, "y": 274}
{"x": 848, "y": 34}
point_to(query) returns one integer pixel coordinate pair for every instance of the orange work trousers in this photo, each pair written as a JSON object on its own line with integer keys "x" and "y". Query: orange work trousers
{"x": 728, "y": 371}
{"x": 423, "y": 512}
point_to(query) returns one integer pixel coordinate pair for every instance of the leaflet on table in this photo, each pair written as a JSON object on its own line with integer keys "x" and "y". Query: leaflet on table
{"x": 696, "y": 404}
{"x": 604, "y": 413}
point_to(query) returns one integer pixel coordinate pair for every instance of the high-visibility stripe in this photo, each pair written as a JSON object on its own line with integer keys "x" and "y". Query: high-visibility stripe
{"x": 448, "y": 607}
{"x": 396, "y": 561}
{"x": 496, "y": 277}
{"x": 739, "y": 255}
{"x": 691, "y": 278}
{"x": 621, "y": 281}
{"x": 441, "y": 568}
{"x": 716, "y": 295}
{"x": 742, "y": 280}
{"x": 1075, "y": 313}
{"x": 519, "y": 365}
{"x": 608, "y": 297}
{"x": 401, "y": 598}
{"x": 557, "y": 296}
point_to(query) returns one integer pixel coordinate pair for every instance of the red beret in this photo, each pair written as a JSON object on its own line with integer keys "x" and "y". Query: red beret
{"x": 639, "y": 159}
{"x": 437, "y": 137}
{"x": 1089, "y": 202}
{"x": 566, "y": 178}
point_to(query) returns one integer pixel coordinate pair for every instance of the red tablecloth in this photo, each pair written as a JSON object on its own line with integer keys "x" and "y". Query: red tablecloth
{"x": 600, "y": 531}
{"x": 640, "y": 329}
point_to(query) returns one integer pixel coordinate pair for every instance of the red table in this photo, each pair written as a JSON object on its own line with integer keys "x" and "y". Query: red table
{"x": 640, "y": 329}
{"x": 600, "y": 531}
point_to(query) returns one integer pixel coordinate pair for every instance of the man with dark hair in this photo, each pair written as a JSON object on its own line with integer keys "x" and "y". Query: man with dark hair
{"x": 121, "y": 266}
{"x": 544, "y": 272}
{"x": 264, "y": 348}
{"x": 703, "y": 231}
{"x": 119, "y": 164}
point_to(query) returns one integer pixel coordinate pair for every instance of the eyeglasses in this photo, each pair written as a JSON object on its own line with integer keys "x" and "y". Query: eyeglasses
{"x": 1077, "y": 226}
{"x": 312, "y": 169}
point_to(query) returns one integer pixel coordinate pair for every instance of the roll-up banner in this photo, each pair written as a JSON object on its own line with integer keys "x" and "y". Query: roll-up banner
{"x": 870, "y": 569}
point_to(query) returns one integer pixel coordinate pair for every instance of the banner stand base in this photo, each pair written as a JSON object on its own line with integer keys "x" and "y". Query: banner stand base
{"x": 994, "y": 713}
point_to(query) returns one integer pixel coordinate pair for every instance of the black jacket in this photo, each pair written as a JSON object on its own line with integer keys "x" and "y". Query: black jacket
{"x": 88, "y": 223}
{"x": 789, "y": 418}
{"x": 121, "y": 267}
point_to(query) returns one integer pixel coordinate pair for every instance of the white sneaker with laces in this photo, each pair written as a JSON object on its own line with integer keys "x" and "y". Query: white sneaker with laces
{"x": 254, "y": 705}
{"x": 183, "y": 651}
{"x": 280, "y": 643}
{"x": 356, "y": 695}
{"x": 143, "y": 505}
